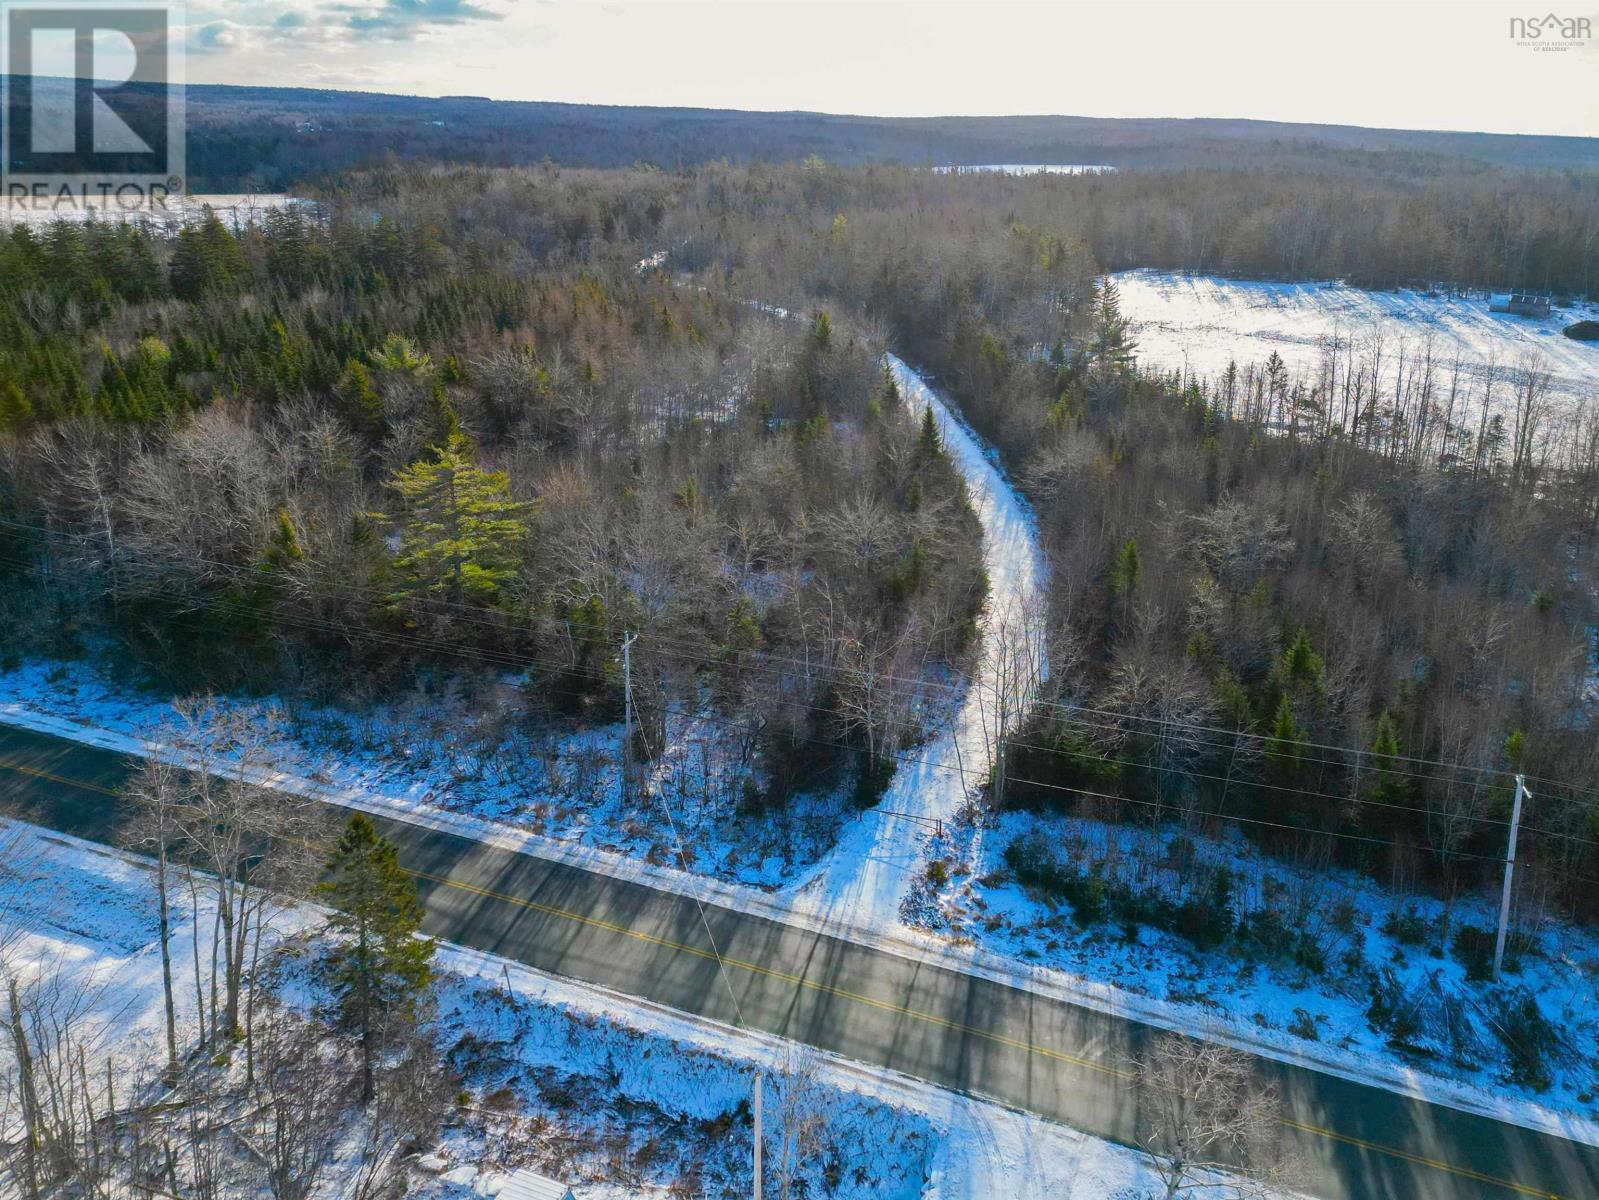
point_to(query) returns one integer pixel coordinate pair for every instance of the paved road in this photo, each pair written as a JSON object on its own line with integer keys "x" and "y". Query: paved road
{"x": 1047, "y": 1056}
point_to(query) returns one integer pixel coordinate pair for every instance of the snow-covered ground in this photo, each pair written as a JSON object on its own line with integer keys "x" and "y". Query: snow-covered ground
{"x": 868, "y": 875}
{"x": 1197, "y": 324}
{"x": 460, "y": 756}
{"x": 532, "y": 1044}
{"x": 1319, "y": 942}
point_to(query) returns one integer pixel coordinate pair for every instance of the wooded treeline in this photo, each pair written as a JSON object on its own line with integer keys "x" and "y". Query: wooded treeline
{"x": 452, "y": 425}
{"x": 266, "y": 139}
{"x": 1467, "y": 227}
{"x": 1251, "y": 617}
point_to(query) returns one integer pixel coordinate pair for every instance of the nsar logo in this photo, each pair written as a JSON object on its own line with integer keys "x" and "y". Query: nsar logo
{"x": 1551, "y": 31}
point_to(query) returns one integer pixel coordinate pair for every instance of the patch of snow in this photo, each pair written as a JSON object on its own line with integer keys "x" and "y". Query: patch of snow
{"x": 1029, "y": 169}
{"x": 467, "y": 759}
{"x": 235, "y": 210}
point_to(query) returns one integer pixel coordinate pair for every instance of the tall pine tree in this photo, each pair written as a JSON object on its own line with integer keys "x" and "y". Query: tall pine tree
{"x": 460, "y": 531}
{"x": 380, "y": 965}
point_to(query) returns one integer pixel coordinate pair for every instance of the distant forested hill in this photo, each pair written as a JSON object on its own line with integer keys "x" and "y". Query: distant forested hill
{"x": 267, "y": 138}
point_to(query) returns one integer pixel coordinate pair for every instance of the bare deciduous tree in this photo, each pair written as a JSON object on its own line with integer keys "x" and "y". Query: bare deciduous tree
{"x": 1206, "y": 1116}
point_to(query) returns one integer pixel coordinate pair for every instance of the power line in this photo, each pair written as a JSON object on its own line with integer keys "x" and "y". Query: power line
{"x": 509, "y": 659}
{"x": 1063, "y": 714}
{"x": 911, "y": 687}
{"x": 677, "y": 839}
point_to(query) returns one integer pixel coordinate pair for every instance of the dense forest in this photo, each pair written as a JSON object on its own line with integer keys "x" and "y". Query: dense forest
{"x": 1264, "y": 609}
{"x": 256, "y": 138}
{"x": 1342, "y": 618}
{"x": 326, "y": 455}
{"x": 1377, "y": 207}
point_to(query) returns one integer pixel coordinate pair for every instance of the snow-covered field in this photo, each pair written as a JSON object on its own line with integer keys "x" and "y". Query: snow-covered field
{"x": 1198, "y": 324}
{"x": 558, "y": 1075}
{"x": 1319, "y": 945}
{"x": 1028, "y": 168}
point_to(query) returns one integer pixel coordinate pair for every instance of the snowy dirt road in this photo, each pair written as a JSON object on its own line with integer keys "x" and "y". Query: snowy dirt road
{"x": 862, "y": 882}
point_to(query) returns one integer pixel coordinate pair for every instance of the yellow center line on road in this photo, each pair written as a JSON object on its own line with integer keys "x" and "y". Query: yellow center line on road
{"x": 782, "y": 976}
{"x": 9, "y": 764}
{"x": 957, "y": 1026}
{"x": 1420, "y": 1159}
{"x": 887, "y": 1006}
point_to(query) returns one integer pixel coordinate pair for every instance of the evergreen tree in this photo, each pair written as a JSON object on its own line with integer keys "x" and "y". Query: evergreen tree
{"x": 1515, "y": 749}
{"x": 402, "y": 355}
{"x": 822, "y": 330}
{"x": 283, "y": 549}
{"x": 1128, "y": 570}
{"x": 889, "y": 393}
{"x": 380, "y": 965}
{"x": 14, "y": 407}
{"x": 208, "y": 261}
{"x": 363, "y": 407}
{"x": 913, "y": 495}
{"x": 1112, "y": 345}
{"x": 932, "y": 445}
{"x": 1301, "y": 665}
{"x": 460, "y": 531}
{"x": 446, "y": 426}
{"x": 1385, "y": 783}
{"x": 1287, "y": 741}
{"x": 1285, "y": 768}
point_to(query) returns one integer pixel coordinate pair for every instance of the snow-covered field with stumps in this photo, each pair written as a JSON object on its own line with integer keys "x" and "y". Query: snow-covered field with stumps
{"x": 1198, "y": 324}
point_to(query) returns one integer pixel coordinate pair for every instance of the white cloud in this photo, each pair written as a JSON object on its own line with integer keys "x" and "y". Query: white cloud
{"x": 1219, "y": 58}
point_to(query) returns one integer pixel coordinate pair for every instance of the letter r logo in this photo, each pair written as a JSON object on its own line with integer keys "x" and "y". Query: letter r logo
{"x": 92, "y": 95}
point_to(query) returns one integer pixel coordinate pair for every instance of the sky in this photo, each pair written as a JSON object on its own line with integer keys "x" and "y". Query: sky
{"x": 1415, "y": 64}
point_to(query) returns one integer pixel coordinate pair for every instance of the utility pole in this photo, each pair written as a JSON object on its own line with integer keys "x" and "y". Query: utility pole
{"x": 627, "y": 711}
{"x": 1510, "y": 868}
{"x": 757, "y": 1135}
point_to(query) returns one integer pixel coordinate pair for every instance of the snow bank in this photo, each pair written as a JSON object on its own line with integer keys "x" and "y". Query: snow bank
{"x": 464, "y": 762}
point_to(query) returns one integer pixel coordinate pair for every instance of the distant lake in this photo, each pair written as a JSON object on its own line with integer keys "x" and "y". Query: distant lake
{"x": 1029, "y": 168}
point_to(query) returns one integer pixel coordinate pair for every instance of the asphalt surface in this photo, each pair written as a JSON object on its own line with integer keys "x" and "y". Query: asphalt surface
{"x": 1067, "y": 1063}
